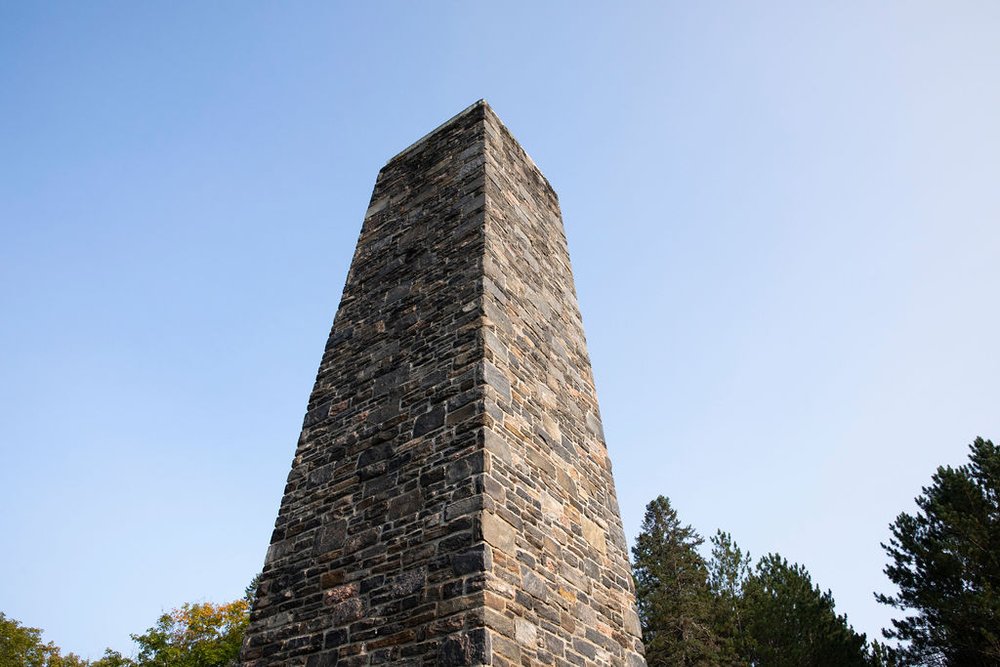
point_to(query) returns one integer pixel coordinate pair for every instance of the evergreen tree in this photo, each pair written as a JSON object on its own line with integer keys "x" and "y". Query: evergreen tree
{"x": 881, "y": 655}
{"x": 788, "y": 622}
{"x": 675, "y": 603}
{"x": 946, "y": 564}
{"x": 728, "y": 571}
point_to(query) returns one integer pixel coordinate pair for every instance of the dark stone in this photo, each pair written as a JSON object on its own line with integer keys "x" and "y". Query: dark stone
{"x": 372, "y": 583}
{"x": 334, "y": 638}
{"x": 434, "y": 476}
{"x": 374, "y": 454}
{"x": 471, "y": 648}
{"x": 466, "y": 412}
{"x": 406, "y": 504}
{"x": 331, "y": 537}
{"x": 316, "y": 415}
{"x": 428, "y": 421}
{"x": 327, "y": 659}
{"x": 407, "y": 583}
{"x": 466, "y": 467}
{"x": 469, "y": 562}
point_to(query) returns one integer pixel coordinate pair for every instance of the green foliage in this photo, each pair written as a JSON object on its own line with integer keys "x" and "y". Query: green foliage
{"x": 728, "y": 571}
{"x": 882, "y": 655}
{"x": 113, "y": 659}
{"x": 250, "y": 592}
{"x": 675, "y": 604}
{"x": 788, "y": 622}
{"x": 21, "y": 646}
{"x": 723, "y": 612}
{"x": 196, "y": 635}
{"x": 946, "y": 565}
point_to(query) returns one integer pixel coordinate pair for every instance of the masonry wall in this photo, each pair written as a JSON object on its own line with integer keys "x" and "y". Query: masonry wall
{"x": 560, "y": 589}
{"x": 367, "y": 563}
{"x": 450, "y": 501}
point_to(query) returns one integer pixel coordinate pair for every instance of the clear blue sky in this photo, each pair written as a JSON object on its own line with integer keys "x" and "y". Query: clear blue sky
{"x": 784, "y": 219}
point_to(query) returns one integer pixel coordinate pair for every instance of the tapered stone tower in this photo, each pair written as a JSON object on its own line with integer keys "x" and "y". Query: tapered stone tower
{"x": 451, "y": 499}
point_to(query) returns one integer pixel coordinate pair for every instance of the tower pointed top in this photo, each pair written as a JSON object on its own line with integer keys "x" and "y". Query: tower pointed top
{"x": 480, "y": 103}
{"x": 490, "y": 117}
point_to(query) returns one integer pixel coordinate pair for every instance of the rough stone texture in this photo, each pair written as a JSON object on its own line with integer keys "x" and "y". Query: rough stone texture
{"x": 451, "y": 499}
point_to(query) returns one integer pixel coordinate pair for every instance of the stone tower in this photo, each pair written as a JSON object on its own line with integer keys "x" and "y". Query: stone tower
{"x": 451, "y": 500}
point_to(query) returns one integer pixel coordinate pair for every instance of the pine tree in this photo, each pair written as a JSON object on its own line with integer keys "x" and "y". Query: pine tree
{"x": 946, "y": 564}
{"x": 728, "y": 572}
{"x": 675, "y": 604}
{"x": 789, "y": 622}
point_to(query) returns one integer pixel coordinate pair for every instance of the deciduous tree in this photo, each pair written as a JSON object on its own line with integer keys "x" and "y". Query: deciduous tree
{"x": 21, "y": 646}
{"x": 196, "y": 635}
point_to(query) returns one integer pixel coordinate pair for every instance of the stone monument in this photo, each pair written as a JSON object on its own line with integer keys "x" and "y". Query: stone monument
{"x": 451, "y": 499}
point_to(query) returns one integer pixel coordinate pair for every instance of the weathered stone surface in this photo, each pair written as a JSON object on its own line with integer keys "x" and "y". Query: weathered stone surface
{"x": 450, "y": 501}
